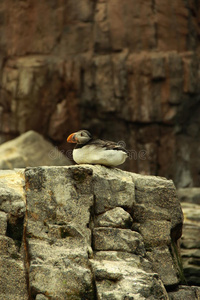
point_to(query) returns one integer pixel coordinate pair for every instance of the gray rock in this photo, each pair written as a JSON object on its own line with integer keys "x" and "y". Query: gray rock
{"x": 191, "y": 265}
{"x": 160, "y": 195}
{"x": 190, "y": 243}
{"x": 158, "y": 216}
{"x": 191, "y": 212}
{"x": 78, "y": 235}
{"x": 121, "y": 280}
{"x": 59, "y": 195}
{"x": 191, "y": 195}
{"x": 59, "y": 201}
{"x": 134, "y": 260}
{"x": 23, "y": 151}
{"x": 185, "y": 292}
{"x": 8, "y": 247}
{"x": 3, "y": 222}
{"x": 13, "y": 279}
{"x": 41, "y": 297}
{"x": 116, "y": 217}
{"x": 112, "y": 189}
{"x": 155, "y": 233}
{"x": 12, "y": 210}
{"x": 191, "y": 236}
{"x": 118, "y": 239}
{"x": 163, "y": 264}
{"x": 108, "y": 270}
{"x": 12, "y": 197}
{"x": 61, "y": 270}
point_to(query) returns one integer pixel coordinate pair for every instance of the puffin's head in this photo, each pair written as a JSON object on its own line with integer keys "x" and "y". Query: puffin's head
{"x": 79, "y": 137}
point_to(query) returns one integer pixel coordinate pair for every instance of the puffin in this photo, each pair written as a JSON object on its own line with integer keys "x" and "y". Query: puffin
{"x": 96, "y": 151}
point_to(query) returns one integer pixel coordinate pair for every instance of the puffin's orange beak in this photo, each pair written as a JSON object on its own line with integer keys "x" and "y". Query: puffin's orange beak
{"x": 72, "y": 138}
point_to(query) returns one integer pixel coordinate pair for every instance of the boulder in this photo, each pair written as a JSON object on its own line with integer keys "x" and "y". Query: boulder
{"x": 69, "y": 236}
{"x": 116, "y": 217}
{"x": 30, "y": 149}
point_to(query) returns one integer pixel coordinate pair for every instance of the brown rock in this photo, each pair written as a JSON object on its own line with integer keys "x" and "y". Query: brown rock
{"x": 108, "y": 66}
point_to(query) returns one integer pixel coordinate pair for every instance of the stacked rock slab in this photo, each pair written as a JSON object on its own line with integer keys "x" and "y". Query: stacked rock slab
{"x": 81, "y": 237}
{"x": 90, "y": 232}
{"x": 190, "y": 241}
{"x": 12, "y": 210}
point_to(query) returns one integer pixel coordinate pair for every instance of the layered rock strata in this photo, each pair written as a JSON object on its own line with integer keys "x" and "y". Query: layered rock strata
{"x": 126, "y": 71}
{"x": 190, "y": 241}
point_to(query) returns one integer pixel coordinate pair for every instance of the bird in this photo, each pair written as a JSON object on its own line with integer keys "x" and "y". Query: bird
{"x": 96, "y": 151}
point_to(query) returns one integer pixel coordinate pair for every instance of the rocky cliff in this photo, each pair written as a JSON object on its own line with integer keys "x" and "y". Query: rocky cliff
{"x": 190, "y": 241}
{"x": 127, "y": 71}
{"x": 89, "y": 232}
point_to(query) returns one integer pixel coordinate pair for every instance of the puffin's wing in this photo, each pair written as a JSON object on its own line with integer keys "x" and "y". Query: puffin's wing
{"x": 108, "y": 145}
{"x": 100, "y": 152}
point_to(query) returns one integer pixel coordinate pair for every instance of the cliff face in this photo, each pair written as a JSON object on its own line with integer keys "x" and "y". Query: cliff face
{"x": 126, "y": 71}
{"x": 89, "y": 232}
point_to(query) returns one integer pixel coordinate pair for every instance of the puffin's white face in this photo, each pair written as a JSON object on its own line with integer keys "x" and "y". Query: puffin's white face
{"x": 79, "y": 137}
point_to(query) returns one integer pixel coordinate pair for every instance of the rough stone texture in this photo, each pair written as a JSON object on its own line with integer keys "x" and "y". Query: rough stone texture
{"x": 156, "y": 199}
{"x": 190, "y": 242}
{"x": 185, "y": 292}
{"x": 162, "y": 254}
{"x": 12, "y": 261}
{"x": 121, "y": 280}
{"x": 69, "y": 250}
{"x": 191, "y": 195}
{"x": 116, "y": 217}
{"x": 118, "y": 239}
{"x": 3, "y": 222}
{"x": 60, "y": 240}
{"x": 111, "y": 190}
{"x": 30, "y": 149}
{"x": 127, "y": 71}
{"x": 58, "y": 213}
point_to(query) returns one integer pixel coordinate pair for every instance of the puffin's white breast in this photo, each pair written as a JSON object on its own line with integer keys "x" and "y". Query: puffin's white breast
{"x": 91, "y": 154}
